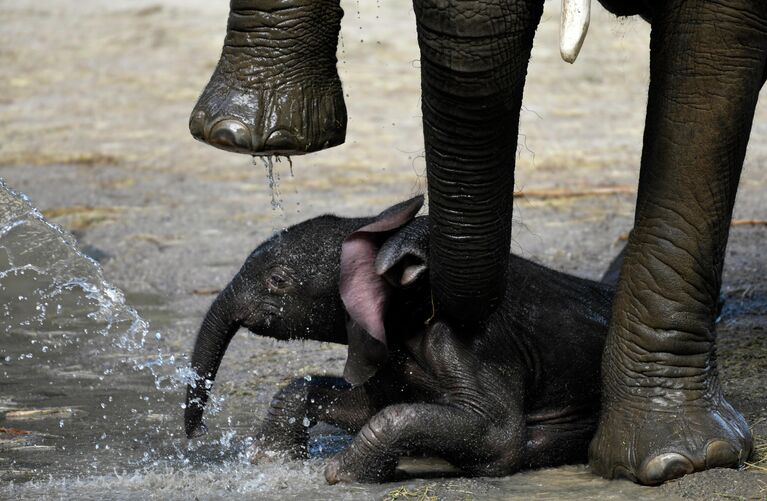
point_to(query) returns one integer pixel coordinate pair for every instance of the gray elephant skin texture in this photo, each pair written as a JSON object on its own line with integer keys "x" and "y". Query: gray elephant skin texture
{"x": 663, "y": 411}
{"x": 522, "y": 391}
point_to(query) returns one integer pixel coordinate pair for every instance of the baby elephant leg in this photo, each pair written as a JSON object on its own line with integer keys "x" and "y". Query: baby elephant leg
{"x": 553, "y": 444}
{"x": 300, "y": 405}
{"x": 459, "y": 436}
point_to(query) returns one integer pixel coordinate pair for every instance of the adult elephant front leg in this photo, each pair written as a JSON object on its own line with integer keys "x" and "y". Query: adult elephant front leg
{"x": 663, "y": 412}
{"x": 474, "y": 57}
{"x": 275, "y": 90}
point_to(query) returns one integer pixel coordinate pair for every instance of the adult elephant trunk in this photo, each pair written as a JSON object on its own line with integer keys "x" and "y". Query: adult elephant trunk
{"x": 474, "y": 59}
{"x": 218, "y": 328}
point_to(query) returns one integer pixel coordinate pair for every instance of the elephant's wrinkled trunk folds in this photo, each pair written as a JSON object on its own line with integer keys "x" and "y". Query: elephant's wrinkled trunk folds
{"x": 217, "y": 330}
{"x": 473, "y": 65}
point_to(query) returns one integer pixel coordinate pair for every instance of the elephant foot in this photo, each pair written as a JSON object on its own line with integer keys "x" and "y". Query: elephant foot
{"x": 345, "y": 468}
{"x": 275, "y": 90}
{"x": 649, "y": 441}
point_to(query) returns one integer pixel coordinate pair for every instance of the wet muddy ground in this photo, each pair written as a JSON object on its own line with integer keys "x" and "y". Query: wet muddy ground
{"x": 94, "y": 104}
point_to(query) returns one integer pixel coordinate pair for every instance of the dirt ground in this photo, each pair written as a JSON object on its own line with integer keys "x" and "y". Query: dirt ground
{"x": 94, "y": 104}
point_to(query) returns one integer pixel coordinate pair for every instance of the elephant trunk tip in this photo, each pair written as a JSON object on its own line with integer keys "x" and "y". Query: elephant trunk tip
{"x": 193, "y": 425}
{"x": 196, "y": 431}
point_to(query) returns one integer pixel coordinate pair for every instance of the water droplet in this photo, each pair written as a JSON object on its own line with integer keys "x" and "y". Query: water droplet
{"x": 273, "y": 186}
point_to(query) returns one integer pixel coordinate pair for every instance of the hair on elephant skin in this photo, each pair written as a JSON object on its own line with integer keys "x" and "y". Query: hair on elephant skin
{"x": 522, "y": 391}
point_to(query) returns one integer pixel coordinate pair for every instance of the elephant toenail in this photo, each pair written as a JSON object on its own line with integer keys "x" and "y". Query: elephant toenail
{"x": 197, "y": 124}
{"x": 282, "y": 141}
{"x": 665, "y": 467}
{"x": 230, "y": 135}
{"x": 721, "y": 454}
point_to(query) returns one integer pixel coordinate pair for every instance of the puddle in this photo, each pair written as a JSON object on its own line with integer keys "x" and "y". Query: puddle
{"x": 80, "y": 371}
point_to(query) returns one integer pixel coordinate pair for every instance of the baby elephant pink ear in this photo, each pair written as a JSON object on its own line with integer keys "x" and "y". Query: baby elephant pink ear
{"x": 365, "y": 293}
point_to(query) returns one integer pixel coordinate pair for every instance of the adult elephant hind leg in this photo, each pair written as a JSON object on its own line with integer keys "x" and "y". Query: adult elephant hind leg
{"x": 663, "y": 411}
{"x": 275, "y": 90}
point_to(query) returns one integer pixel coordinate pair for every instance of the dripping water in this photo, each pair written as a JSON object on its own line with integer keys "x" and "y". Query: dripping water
{"x": 273, "y": 176}
{"x": 273, "y": 182}
{"x": 278, "y": 159}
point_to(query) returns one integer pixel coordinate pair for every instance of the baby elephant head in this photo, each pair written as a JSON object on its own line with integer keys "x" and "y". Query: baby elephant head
{"x": 303, "y": 283}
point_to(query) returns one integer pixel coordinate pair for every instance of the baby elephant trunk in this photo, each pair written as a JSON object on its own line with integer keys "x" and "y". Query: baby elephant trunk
{"x": 217, "y": 330}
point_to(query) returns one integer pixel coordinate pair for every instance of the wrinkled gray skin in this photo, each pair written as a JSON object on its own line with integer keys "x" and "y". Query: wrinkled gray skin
{"x": 275, "y": 89}
{"x": 664, "y": 414}
{"x": 521, "y": 392}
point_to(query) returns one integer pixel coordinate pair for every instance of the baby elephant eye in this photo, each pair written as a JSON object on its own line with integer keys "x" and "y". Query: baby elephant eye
{"x": 277, "y": 282}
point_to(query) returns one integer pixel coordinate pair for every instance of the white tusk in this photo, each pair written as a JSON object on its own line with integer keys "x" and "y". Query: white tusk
{"x": 573, "y": 28}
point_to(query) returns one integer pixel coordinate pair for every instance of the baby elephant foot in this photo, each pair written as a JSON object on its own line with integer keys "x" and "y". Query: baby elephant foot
{"x": 651, "y": 446}
{"x": 275, "y": 90}
{"x": 344, "y": 467}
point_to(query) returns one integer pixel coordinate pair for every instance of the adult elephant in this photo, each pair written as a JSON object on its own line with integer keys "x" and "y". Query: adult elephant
{"x": 663, "y": 415}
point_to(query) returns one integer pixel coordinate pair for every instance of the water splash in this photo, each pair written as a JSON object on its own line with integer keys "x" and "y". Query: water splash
{"x": 71, "y": 280}
{"x": 70, "y": 343}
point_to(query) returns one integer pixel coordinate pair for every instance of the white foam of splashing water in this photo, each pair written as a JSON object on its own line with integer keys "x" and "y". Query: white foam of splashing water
{"x": 278, "y": 481}
{"x": 70, "y": 270}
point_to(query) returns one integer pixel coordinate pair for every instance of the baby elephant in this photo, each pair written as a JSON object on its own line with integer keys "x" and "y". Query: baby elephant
{"x": 522, "y": 391}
